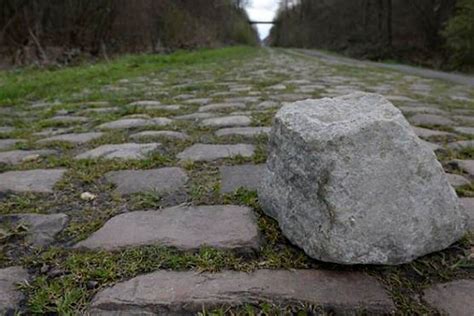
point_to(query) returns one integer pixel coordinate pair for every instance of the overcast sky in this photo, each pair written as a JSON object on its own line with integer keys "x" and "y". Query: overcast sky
{"x": 263, "y": 10}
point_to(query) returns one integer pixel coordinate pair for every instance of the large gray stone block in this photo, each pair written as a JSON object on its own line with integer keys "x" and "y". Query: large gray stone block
{"x": 349, "y": 182}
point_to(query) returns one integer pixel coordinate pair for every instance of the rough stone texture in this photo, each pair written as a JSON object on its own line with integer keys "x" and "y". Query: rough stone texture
{"x": 219, "y": 226}
{"x": 7, "y": 143}
{"x": 10, "y": 296}
{"x": 6, "y": 129}
{"x": 461, "y": 145}
{"x": 426, "y": 133}
{"x": 41, "y": 228}
{"x": 204, "y": 152}
{"x": 456, "y": 180}
{"x": 164, "y": 180}
{"x": 121, "y": 151}
{"x": 158, "y": 134}
{"x": 433, "y": 146}
{"x": 452, "y": 298}
{"x": 245, "y": 176}
{"x": 135, "y": 122}
{"x": 346, "y": 200}
{"x": 430, "y": 120}
{"x": 468, "y": 206}
{"x": 37, "y": 181}
{"x": 221, "y": 107}
{"x": 243, "y": 131}
{"x": 18, "y": 156}
{"x": 81, "y": 138}
{"x": 183, "y": 293}
{"x": 145, "y": 103}
{"x": 227, "y": 121}
{"x": 465, "y": 130}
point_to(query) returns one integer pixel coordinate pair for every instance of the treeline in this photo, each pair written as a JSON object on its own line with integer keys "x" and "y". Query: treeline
{"x": 47, "y": 31}
{"x": 417, "y": 31}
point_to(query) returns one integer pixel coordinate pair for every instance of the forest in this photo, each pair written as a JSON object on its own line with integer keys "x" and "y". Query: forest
{"x": 434, "y": 33}
{"x": 63, "y": 31}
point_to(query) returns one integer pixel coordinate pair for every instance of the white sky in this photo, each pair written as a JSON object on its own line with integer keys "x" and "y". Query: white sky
{"x": 262, "y": 10}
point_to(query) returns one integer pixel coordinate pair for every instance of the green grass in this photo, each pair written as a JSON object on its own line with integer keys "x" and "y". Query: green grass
{"x": 40, "y": 84}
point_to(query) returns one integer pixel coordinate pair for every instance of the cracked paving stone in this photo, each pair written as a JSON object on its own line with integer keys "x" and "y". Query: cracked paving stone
{"x": 35, "y": 181}
{"x": 243, "y": 131}
{"x": 242, "y": 176}
{"x": 136, "y": 122}
{"x": 164, "y": 180}
{"x": 121, "y": 151}
{"x": 218, "y": 226}
{"x": 205, "y": 152}
{"x": 10, "y": 295}
{"x": 227, "y": 121}
{"x": 189, "y": 292}
{"x": 452, "y": 298}
{"x": 18, "y": 156}
{"x": 79, "y": 138}
{"x": 41, "y": 228}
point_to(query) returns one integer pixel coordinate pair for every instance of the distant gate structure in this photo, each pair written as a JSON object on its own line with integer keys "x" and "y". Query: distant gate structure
{"x": 262, "y": 22}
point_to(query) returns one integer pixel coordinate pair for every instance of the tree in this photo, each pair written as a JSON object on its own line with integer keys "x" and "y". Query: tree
{"x": 459, "y": 34}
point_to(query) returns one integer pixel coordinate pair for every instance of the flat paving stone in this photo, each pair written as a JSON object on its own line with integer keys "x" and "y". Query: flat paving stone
{"x": 145, "y": 103}
{"x": 195, "y": 116}
{"x": 35, "y": 181}
{"x": 243, "y": 131}
{"x": 79, "y": 138}
{"x": 456, "y": 180}
{"x": 160, "y": 134}
{"x": 464, "y": 130}
{"x": 222, "y": 107}
{"x": 421, "y": 109}
{"x": 267, "y": 105}
{"x": 468, "y": 206}
{"x": 242, "y": 176}
{"x": 121, "y": 151}
{"x": 41, "y": 228}
{"x": 6, "y": 129}
{"x": 18, "y": 156}
{"x": 164, "y": 180}
{"x": 189, "y": 292}
{"x": 68, "y": 119}
{"x": 430, "y": 120}
{"x": 246, "y": 100}
{"x": 464, "y": 119}
{"x": 10, "y": 295}
{"x": 218, "y": 226}
{"x": 136, "y": 122}
{"x": 8, "y": 143}
{"x": 426, "y": 133}
{"x": 53, "y": 131}
{"x": 205, "y": 152}
{"x": 464, "y": 165}
{"x": 227, "y": 121}
{"x": 452, "y": 298}
{"x": 199, "y": 101}
{"x": 460, "y": 145}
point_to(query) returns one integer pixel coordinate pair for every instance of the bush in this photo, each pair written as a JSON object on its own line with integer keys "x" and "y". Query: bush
{"x": 459, "y": 34}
